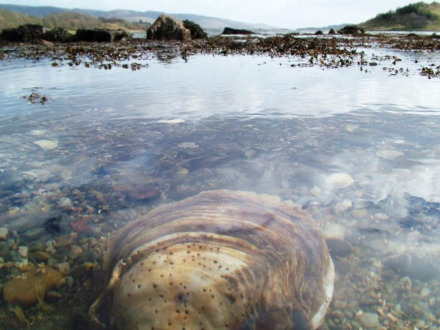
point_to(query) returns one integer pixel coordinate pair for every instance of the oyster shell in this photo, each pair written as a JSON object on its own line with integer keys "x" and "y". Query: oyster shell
{"x": 219, "y": 260}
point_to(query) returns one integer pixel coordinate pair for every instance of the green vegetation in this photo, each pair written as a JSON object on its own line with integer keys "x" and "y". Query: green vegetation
{"x": 415, "y": 16}
{"x": 67, "y": 20}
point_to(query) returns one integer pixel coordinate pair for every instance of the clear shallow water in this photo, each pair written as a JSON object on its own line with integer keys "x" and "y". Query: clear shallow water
{"x": 128, "y": 141}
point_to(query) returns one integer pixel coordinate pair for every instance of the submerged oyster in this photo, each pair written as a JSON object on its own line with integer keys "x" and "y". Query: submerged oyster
{"x": 220, "y": 260}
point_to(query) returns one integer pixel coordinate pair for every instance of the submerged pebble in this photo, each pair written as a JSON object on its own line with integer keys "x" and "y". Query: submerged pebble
{"x": 389, "y": 154}
{"x": 338, "y": 181}
{"x": 47, "y": 145}
{"x": 4, "y": 232}
{"x": 369, "y": 320}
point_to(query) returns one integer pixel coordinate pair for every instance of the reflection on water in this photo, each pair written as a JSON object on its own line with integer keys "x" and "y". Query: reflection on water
{"x": 358, "y": 150}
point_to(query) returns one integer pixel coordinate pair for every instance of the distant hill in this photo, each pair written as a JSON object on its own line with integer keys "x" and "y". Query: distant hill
{"x": 416, "y": 16}
{"x": 328, "y": 27}
{"x": 205, "y": 22}
{"x": 68, "y": 20}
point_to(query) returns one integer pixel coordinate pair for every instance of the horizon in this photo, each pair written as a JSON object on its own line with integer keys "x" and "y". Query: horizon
{"x": 281, "y": 14}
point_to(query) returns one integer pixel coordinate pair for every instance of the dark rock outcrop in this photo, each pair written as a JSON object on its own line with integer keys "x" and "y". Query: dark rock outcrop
{"x": 351, "y": 29}
{"x": 319, "y": 32}
{"x": 168, "y": 28}
{"x": 229, "y": 30}
{"x": 24, "y": 33}
{"x": 99, "y": 35}
{"x": 196, "y": 30}
{"x": 332, "y": 31}
{"x": 58, "y": 35}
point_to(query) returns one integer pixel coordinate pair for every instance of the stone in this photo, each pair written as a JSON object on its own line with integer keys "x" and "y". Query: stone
{"x": 100, "y": 35}
{"x": 369, "y": 320}
{"x": 338, "y": 181}
{"x": 351, "y": 29}
{"x": 229, "y": 30}
{"x": 168, "y": 28}
{"x": 196, "y": 31}
{"x": 23, "y": 251}
{"x": 389, "y": 154}
{"x": 28, "y": 290}
{"x": 334, "y": 230}
{"x": 4, "y": 232}
{"x": 23, "y": 33}
{"x": 47, "y": 145}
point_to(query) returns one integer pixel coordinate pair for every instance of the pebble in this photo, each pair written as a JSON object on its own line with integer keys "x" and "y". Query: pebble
{"x": 334, "y": 230}
{"x": 316, "y": 191}
{"x": 47, "y": 145}
{"x": 343, "y": 206}
{"x": 23, "y": 251}
{"x": 65, "y": 203}
{"x": 37, "y": 132}
{"x": 4, "y": 233}
{"x": 63, "y": 267}
{"x": 338, "y": 181}
{"x": 34, "y": 233}
{"x": 389, "y": 154}
{"x": 74, "y": 252}
{"x": 424, "y": 292}
{"x": 188, "y": 145}
{"x": 369, "y": 320}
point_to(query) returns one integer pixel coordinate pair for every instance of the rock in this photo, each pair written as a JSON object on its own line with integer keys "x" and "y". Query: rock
{"x": 229, "y": 30}
{"x": 100, "y": 35}
{"x": 351, "y": 29}
{"x": 369, "y": 320}
{"x": 334, "y": 230}
{"x": 338, "y": 247}
{"x": 23, "y": 251}
{"x": 332, "y": 31}
{"x": 65, "y": 203}
{"x": 188, "y": 145}
{"x": 319, "y": 32}
{"x": 27, "y": 290}
{"x": 46, "y": 145}
{"x": 34, "y": 233}
{"x": 338, "y": 181}
{"x": 389, "y": 154}
{"x": 4, "y": 233}
{"x": 168, "y": 28}
{"x": 196, "y": 31}
{"x": 24, "y": 33}
{"x": 58, "y": 35}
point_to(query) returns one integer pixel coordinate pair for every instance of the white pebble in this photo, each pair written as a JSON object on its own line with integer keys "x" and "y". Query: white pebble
{"x": 338, "y": 181}
{"x": 334, "y": 230}
{"x": 46, "y": 145}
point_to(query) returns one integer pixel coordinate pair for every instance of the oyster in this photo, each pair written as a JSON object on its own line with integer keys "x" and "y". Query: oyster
{"x": 219, "y": 260}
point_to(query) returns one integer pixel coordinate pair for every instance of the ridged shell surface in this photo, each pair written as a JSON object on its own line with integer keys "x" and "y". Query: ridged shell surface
{"x": 222, "y": 260}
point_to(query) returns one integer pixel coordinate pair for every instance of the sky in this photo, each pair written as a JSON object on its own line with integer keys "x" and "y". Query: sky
{"x": 279, "y": 13}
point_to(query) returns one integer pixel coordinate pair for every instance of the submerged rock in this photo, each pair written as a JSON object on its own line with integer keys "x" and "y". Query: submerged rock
{"x": 220, "y": 258}
{"x": 30, "y": 288}
{"x": 168, "y": 28}
{"x": 46, "y": 145}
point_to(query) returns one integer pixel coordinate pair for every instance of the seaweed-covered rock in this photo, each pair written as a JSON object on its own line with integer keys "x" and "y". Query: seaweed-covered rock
{"x": 351, "y": 29}
{"x": 332, "y": 31}
{"x": 168, "y": 28}
{"x": 58, "y": 35}
{"x": 99, "y": 35}
{"x": 24, "y": 33}
{"x": 196, "y": 30}
{"x": 319, "y": 32}
{"x": 229, "y": 30}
